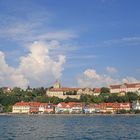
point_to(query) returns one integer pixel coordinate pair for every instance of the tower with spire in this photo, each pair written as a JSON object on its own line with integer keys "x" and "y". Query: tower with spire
{"x": 57, "y": 84}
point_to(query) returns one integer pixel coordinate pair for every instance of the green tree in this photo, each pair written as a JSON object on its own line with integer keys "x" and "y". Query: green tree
{"x": 112, "y": 98}
{"x": 123, "y": 111}
{"x": 132, "y": 96}
{"x": 16, "y": 90}
{"x": 68, "y": 99}
{"x": 97, "y": 99}
{"x": 55, "y": 100}
{"x": 105, "y": 90}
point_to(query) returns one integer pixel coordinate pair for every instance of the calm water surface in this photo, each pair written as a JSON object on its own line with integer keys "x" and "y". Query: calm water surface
{"x": 69, "y": 127}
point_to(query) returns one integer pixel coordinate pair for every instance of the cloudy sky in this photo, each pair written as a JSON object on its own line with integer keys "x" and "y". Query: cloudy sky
{"x": 86, "y": 43}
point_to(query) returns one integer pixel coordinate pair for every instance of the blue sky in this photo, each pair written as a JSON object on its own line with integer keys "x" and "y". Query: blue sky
{"x": 98, "y": 39}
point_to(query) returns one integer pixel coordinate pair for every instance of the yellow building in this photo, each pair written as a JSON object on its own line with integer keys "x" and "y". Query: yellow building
{"x": 64, "y": 92}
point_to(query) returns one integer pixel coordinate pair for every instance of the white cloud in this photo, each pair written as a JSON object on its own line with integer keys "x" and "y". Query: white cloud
{"x": 60, "y": 35}
{"x": 44, "y": 61}
{"x": 37, "y": 68}
{"x": 90, "y": 78}
{"x": 9, "y": 75}
{"x": 91, "y": 74}
{"x": 34, "y": 27}
{"x": 129, "y": 79}
{"x": 111, "y": 70}
{"x": 31, "y": 31}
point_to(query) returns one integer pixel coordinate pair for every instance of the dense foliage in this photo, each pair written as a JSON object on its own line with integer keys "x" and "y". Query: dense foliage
{"x": 107, "y": 97}
{"x": 39, "y": 95}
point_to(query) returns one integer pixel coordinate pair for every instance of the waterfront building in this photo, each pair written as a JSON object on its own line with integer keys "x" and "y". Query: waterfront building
{"x": 125, "y": 106}
{"x": 46, "y": 108}
{"x": 136, "y": 105}
{"x": 21, "y": 107}
{"x": 107, "y": 107}
{"x": 32, "y": 107}
{"x": 71, "y": 107}
{"x": 89, "y": 109}
{"x": 123, "y": 88}
{"x": 76, "y": 107}
{"x": 62, "y": 107}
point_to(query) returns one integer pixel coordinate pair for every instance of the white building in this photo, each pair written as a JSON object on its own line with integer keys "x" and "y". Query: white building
{"x": 89, "y": 109}
{"x": 135, "y": 87}
{"x": 21, "y": 107}
{"x": 89, "y": 91}
{"x": 64, "y": 92}
{"x": 32, "y": 107}
{"x": 71, "y": 107}
{"x": 136, "y": 105}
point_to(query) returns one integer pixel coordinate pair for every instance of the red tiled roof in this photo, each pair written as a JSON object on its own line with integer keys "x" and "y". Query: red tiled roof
{"x": 71, "y": 104}
{"x": 32, "y": 104}
{"x": 125, "y": 104}
{"x": 22, "y": 104}
{"x": 133, "y": 85}
{"x": 74, "y": 104}
{"x": 63, "y": 104}
{"x": 114, "y": 106}
{"x": 115, "y": 86}
{"x": 97, "y": 90}
{"x": 35, "y": 104}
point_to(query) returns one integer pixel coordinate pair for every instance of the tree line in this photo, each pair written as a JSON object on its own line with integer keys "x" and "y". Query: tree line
{"x": 39, "y": 95}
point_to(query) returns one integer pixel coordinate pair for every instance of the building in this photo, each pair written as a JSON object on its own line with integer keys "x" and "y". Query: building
{"x": 46, "y": 108}
{"x": 64, "y": 92}
{"x": 136, "y": 105}
{"x": 32, "y": 107}
{"x": 89, "y": 91}
{"x": 21, "y": 107}
{"x": 107, "y": 107}
{"x": 89, "y": 109}
{"x": 71, "y": 107}
{"x": 6, "y": 89}
{"x": 97, "y": 91}
{"x": 125, "y": 106}
{"x": 62, "y": 108}
{"x": 123, "y": 88}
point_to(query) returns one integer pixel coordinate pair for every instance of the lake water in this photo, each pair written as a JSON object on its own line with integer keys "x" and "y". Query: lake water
{"x": 59, "y": 127}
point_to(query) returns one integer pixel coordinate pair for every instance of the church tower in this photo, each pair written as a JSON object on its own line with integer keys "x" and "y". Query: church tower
{"x": 57, "y": 84}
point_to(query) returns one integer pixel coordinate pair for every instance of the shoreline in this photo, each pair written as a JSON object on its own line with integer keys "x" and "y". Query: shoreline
{"x": 18, "y": 114}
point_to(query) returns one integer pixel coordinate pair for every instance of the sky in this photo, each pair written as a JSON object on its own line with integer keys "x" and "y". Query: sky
{"x": 81, "y": 43}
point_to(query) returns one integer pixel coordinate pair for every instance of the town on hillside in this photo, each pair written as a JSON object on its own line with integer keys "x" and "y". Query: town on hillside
{"x": 123, "y": 98}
